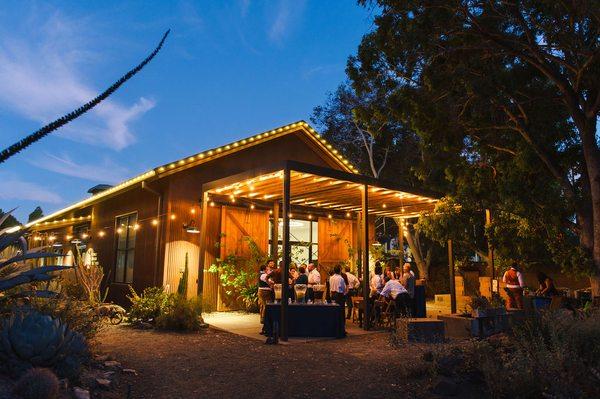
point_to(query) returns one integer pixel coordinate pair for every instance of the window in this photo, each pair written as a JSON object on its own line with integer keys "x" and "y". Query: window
{"x": 303, "y": 240}
{"x": 125, "y": 230}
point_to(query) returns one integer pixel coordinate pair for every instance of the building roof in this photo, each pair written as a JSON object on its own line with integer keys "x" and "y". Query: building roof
{"x": 202, "y": 157}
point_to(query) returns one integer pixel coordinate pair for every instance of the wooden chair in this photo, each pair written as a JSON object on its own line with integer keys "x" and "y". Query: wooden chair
{"x": 358, "y": 305}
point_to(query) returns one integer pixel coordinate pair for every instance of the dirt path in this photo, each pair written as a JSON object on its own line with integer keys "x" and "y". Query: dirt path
{"x": 216, "y": 364}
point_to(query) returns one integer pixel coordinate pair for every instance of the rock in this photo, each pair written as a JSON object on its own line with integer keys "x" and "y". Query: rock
{"x": 446, "y": 387}
{"x": 112, "y": 364}
{"x": 103, "y": 383}
{"x": 130, "y": 371}
{"x": 101, "y": 358}
{"x": 81, "y": 393}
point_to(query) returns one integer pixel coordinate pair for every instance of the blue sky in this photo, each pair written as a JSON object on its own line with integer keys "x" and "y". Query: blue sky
{"x": 229, "y": 69}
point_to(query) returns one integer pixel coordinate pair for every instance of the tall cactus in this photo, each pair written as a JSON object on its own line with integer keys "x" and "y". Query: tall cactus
{"x": 63, "y": 120}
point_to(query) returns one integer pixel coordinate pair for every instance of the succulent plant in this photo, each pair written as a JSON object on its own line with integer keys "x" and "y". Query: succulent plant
{"x": 31, "y": 339}
{"x": 37, "y": 383}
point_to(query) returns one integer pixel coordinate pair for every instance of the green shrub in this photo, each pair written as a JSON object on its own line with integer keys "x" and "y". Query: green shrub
{"x": 37, "y": 383}
{"x": 30, "y": 339}
{"x": 183, "y": 315}
{"x": 554, "y": 355}
{"x": 149, "y": 305}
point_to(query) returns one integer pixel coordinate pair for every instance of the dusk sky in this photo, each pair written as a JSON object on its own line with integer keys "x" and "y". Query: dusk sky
{"x": 229, "y": 69}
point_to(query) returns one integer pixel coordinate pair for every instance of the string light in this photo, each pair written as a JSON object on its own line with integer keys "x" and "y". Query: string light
{"x": 310, "y": 217}
{"x": 136, "y": 226}
{"x": 154, "y": 222}
{"x": 347, "y": 214}
{"x": 84, "y": 235}
{"x": 101, "y": 233}
{"x": 173, "y": 216}
{"x": 212, "y": 203}
{"x": 252, "y": 206}
{"x": 193, "y": 211}
{"x": 330, "y": 216}
{"x": 119, "y": 231}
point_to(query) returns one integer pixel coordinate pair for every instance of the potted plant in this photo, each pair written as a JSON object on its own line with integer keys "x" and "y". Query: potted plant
{"x": 481, "y": 307}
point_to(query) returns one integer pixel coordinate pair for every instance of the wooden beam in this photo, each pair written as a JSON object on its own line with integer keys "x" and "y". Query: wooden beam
{"x": 275, "y": 232}
{"x": 202, "y": 250}
{"x": 452, "y": 279}
{"x": 365, "y": 256}
{"x": 286, "y": 255}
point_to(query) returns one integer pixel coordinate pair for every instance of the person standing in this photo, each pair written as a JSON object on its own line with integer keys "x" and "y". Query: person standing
{"x": 514, "y": 287}
{"x": 265, "y": 292}
{"x": 353, "y": 287}
{"x": 376, "y": 283}
{"x": 408, "y": 281}
{"x": 314, "y": 277}
{"x": 337, "y": 286}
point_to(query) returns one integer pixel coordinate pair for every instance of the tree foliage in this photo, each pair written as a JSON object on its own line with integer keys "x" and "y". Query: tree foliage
{"x": 504, "y": 98}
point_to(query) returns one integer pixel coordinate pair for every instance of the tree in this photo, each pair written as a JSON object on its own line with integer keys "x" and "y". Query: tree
{"x": 507, "y": 96}
{"x": 63, "y": 120}
{"x": 363, "y": 127}
{"x": 35, "y": 215}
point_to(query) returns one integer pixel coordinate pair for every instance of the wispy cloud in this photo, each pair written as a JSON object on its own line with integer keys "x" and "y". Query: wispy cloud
{"x": 288, "y": 12}
{"x": 13, "y": 188}
{"x": 40, "y": 80}
{"x": 106, "y": 172}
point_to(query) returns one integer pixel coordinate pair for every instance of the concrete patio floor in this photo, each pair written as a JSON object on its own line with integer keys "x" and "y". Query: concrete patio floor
{"x": 248, "y": 325}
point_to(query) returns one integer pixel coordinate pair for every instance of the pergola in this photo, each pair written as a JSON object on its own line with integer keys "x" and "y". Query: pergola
{"x": 314, "y": 190}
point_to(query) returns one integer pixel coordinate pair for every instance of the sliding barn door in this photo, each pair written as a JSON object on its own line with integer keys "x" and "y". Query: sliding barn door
{"x": 237, "y": 225}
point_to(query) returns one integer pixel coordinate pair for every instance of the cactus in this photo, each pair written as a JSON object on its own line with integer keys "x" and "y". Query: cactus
{"x": 30, "y": 339}
{"x": 37, "y": 383}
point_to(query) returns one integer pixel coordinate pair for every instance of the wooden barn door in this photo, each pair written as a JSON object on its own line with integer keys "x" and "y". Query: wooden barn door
{"x": 335, "y": 235}
{"x": 236, "y": 225}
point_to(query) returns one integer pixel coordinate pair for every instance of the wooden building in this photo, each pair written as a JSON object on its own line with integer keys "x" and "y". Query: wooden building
{"x": 287, "y": 189}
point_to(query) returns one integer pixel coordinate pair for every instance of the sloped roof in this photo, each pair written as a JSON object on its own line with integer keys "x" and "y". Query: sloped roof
{"x": 209, "y": 155}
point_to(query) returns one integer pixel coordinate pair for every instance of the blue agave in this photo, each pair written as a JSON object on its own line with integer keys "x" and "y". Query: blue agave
{"x": 31, "y": 339}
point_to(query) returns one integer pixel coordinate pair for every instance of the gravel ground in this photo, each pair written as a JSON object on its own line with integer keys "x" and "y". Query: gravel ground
{"x": 217, "y": 364}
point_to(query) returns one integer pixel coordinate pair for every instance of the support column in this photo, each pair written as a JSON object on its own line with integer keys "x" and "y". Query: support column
{"x": 364, "y": 235}
{"x": 285, "y": 255}
{"x": 452, "y": 280}
{"x": 202, "y": 249}
{"x": 491, "y": 269}
{"x": 275, "y": 232}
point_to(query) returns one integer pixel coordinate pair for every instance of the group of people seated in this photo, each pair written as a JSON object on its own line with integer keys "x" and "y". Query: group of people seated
{"x": 396, "y": 284}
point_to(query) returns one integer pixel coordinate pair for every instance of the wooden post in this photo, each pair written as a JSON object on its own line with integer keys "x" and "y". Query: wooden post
{"x": 452, "y": 280}
{"x": 275, "y": 232}
{"x": 285, "y": 255}
{"x": 202, "y": 249}
{"x": 365, "y": 255}
{"x": 491, "y": 270}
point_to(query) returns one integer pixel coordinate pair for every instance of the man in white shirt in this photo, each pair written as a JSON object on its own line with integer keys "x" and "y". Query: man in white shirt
{"x": 337, "y": 286}
{"x": 514, "y": 286}
{"x": 394, "y": 290}
{"x": 376, "y": 283}
{"x": 314, "y": 277}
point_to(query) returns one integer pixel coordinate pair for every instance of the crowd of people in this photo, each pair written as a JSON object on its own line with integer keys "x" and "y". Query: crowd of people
{"x": 394, "y": 284}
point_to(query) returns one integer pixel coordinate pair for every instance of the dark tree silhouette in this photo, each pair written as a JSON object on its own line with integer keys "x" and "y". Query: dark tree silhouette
{"x": 52, "y": 126}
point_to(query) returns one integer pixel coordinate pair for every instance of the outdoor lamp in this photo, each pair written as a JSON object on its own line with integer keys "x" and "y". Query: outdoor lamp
{"x": 191, "y": 227}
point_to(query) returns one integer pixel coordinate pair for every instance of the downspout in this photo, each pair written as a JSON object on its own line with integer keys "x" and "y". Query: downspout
{"x": 158, "y": 230}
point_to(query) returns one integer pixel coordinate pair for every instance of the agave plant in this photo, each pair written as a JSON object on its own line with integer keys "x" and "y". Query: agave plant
{"x": 14, "y": 252}
{"x": 31, "y": 339}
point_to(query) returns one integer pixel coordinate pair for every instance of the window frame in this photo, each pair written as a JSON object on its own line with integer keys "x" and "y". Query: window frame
{"x": 129, "y": 246}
